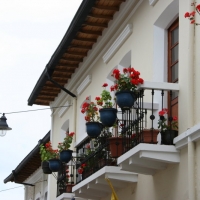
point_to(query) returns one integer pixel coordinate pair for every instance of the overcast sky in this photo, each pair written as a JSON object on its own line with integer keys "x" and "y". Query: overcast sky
{"x": 30, "y": 31}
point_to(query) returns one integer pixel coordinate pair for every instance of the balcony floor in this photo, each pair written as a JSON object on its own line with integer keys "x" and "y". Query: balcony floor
{"x": 96, "y": 187}
{"x": 148, "y": 158}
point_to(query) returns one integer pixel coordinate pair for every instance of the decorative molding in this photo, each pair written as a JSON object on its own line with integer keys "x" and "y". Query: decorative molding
{"x": 191, "y": 135}
{"x": 35, "y": 177}
{"x": 94, "y": 55}
{"x": 84, "y": 84}
{"x": 64, "y": 109}
{"x": 96, "y": 187}
{"x": 118, "y": 42}
{"x": 148, "y": 158}
{"x": 152, "y": 2}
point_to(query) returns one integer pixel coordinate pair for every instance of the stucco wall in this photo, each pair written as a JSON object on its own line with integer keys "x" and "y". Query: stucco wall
{"x": 171, "y": 183}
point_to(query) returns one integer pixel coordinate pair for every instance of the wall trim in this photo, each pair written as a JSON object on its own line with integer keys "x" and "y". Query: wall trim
{"x": 84, "y": 84}
{"x": 64, "y": 109}
{"x": 35, "y": 177}
{"x": 152, "y": 2}
{"x": 118, "y": 42}
{"x": 191, "y": 135}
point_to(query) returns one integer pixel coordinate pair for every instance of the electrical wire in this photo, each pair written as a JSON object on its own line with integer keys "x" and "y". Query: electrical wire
{"x": 35, "y": 110}
{"x": 19, "y": 186}
{"x": 10, "y": 189}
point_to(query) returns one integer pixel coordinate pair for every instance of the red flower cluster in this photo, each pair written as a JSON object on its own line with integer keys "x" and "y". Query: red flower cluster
{"x": 67, "y": 142}
{"x": 81, "y": 168}
{"x": 162, "y": 122}
{"x": 128, "y": 80}
{"x": 190, "y": 15}
{"x": 163, "y": 112}
{"x": 90, "y": 108}
{"x": 49, "y": 151}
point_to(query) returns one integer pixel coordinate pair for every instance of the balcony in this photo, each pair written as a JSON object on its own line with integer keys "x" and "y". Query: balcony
{"x": 136, "y": 145}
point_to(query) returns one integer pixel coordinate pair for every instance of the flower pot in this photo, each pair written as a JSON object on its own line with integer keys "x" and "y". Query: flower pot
{"x": 147, "y": 136}
{"x": 116, "y": 145}
{"x": 45, "y": 167}
{"x": 108, "y": 116}
{"x": 66, "y": 155}
{"x": 93, "y": 129}
{"x": 125, "y": 99}
{"x": 168, "y": 136}
{"x": 55, "y": 165}
{"x": 69, "y": 188}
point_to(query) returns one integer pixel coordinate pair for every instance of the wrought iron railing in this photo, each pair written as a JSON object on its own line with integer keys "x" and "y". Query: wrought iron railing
{"x": 134, "y": 126}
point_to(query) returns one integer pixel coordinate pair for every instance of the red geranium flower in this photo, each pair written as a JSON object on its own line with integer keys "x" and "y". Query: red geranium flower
{"x": 192, "y": 21}
{"x": 97, "y": 98}
{"x": 83, "y": 165}
{"x": 112, "y": 88}
{"x": 125, "y": 70}
{"x": 105, "y": 85}
{"x": 140, "y": 80}
{"x": 161, "y": 113}
{"x": 192, "y": 13}
{"x": 175, "y": 118}
{"x": 198, "y": 7}
{"x": 80, "y": 170}
{"x": 71, "y": 134}
{"x": 187, "y": 14}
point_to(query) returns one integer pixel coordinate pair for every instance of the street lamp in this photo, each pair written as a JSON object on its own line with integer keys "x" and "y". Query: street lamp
{"x": 4, "y": 126}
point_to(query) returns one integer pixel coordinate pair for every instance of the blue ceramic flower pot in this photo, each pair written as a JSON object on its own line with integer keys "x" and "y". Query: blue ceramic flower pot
{"x": 125, "y": 99}
{"x": 94, "y": 129}
{"x": 55, "y": 165}
{"x": 108, "y": 116}
{"x": 66, "y": 155}
{"x": 45, "y": 167}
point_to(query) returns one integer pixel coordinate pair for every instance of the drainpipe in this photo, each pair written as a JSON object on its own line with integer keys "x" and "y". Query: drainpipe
{"x": 191, "y": 145}
{"x": 74, "y": 116}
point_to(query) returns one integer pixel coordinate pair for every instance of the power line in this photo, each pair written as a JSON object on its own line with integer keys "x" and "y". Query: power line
{"x": 36, "y": 109}
{"x": 20, "y": 186}
{"x": 10, "y": 188}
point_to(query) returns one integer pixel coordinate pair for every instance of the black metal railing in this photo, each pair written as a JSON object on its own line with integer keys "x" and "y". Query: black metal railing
{"x": 134, "y": 126}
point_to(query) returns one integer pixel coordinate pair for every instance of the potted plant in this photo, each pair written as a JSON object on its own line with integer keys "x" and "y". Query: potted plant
{"x": 169, "y": 129}
{"x": 69, "y": 184}
{"x": 45, "y": 156}
{"x": 108, "y": 114}
{"x": 117, "y": 143}
{"x": 93, "y": 126}
{"x": 65, "y": 152}
{"x": 126, "y": 86}
{"x": 51, "y": 155}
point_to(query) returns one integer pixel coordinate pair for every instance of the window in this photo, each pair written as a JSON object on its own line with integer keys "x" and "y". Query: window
{"x": 173, "y": 65}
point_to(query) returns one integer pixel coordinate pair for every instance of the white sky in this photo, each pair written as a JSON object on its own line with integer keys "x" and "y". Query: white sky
{"x": 30, "y": 31}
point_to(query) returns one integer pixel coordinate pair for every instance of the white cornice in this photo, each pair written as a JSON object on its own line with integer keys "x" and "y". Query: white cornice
{"x": 64, "y": 109}
{"x": 148, "y": 158}
{"x": 191, "y": 135}
{"x": 84, "y": 84}
{"x": 117, "y": 43}
{"x": 152, "y": 2}
{"x": 96, "y": 187}
{"x": 35, "y": 177}
{"x": 95, "y": 54}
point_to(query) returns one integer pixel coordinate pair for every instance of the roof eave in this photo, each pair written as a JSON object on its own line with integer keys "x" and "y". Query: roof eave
{"x": 75, "y": 25}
